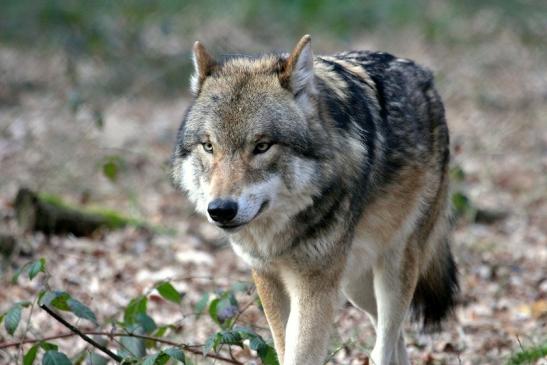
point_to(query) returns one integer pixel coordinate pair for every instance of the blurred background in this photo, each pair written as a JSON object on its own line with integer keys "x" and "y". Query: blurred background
{"x": 91, "y": 96}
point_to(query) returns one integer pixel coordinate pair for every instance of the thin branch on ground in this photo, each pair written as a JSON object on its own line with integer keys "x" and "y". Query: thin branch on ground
{"x": 79, "y": 333}
{"x": 190, "y": 348}
{"x": 245, "y": 307}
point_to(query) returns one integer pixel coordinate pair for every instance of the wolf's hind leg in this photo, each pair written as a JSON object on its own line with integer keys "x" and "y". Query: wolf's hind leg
{"x": 394, "y": 284}
{"x": 275, "y": 302}
{"x": 358, "y": 288}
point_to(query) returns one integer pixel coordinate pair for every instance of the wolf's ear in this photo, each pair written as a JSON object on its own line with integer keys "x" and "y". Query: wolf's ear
{"x": 297, "y": 73}
{"x": 203, "y": 66}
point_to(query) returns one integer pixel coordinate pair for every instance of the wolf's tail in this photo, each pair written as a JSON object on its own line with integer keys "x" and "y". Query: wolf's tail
{"x": 435, "y": 295}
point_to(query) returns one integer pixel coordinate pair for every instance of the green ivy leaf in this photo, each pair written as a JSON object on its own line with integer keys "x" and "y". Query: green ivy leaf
{"x": 156, "y": 359}
{"x": 245, "y": 332}
{"x": 202, "y": 303}
{"x": 213, "y": 310}
{"x": 57, "y": 299}
{"x": 81, "y": 311}
{"x": 212, "y": 343}
{"x": 133, "y": 346}
{"x": 136, "y": 305}
{"x": 268, "y": 355}
{"x": 231, "y": 338}
{"x": 145, "y": 322}
{"x": 457, "y": 174}
{"x": 462, "y": 205}
{"x": 161, "y": 330}
{"x": 168, "y": 292}
{"x": 151, "y": 359}
{"x": 222, "y": 338}
{"x": 111, "y": 166}
{"x": 48, "y": 346}
{"x": 256, "y": 342}
{"x": 176, "y": 354}
{"x": 265, "y": 351}
{"x": 36, "y": 267}
{"x": 227, "y": 309}
{"x": 18, "y": 272}
{"x": 162, "y": 359}
{"x": 55, "y": 358}
{"x": 30, "y": 356}
{"x": 110, "y": 169}
{"x": 12, "y": 318}
{"x": 224, "y": 309}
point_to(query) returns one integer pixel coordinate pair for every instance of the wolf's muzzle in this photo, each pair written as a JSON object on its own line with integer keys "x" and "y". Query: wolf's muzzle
{"x": 222, "y": 210}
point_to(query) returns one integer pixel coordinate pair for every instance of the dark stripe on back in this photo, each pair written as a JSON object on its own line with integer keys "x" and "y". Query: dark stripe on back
{"x": 355, "y": 109}
{"x": 376, "y": 64}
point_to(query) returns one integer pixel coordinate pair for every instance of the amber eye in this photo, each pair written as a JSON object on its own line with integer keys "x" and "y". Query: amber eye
{"x": 208, "y": 147}
{"x": 261, "y": 147}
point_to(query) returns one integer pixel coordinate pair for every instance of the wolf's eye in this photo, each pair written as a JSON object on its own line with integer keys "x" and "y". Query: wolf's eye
{"x": 208, "y": 147}
{"x": 261, "y": 147}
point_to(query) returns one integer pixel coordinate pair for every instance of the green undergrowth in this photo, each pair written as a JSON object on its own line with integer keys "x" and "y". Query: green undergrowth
{"x": 529, "y": 355}
{"x": 132, "y": 336}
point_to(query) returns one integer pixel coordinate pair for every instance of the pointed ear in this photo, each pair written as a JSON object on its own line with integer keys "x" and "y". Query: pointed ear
{"x": 203, "y": 66}
{"x": 297, "y": 74}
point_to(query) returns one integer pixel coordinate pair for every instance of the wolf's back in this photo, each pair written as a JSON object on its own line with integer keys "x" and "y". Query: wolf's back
{"x": 404, "y": 125}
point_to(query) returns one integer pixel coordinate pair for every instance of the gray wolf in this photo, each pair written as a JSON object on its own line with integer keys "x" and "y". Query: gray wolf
{"x": 329, "y": 176}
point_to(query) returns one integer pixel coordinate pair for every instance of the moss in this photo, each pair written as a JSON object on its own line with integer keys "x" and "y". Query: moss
{"x": 529, "y": 355}
{"x": 51, "y": 214}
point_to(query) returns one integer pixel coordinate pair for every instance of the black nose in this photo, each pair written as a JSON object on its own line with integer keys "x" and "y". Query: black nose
{"x": 222, "y": 210}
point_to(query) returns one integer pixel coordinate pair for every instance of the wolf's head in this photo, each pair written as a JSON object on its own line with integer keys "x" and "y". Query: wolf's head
{"x": 249, "y": 146}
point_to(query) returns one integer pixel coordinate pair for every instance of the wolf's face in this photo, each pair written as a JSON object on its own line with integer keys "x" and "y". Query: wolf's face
{"x": 245, "y": 150}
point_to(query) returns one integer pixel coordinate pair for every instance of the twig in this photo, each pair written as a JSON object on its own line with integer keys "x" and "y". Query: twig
{"x": 79, "y": 333}
{"x": 242, "y": 310}
{"x": 24, "y": 341}
{"x": 520, "y": 343}
{"x": 28, "y": 322}
{"x": 184, "y": 346}
{"x": 338, "y": 349}
{"x": 189, "y": 348}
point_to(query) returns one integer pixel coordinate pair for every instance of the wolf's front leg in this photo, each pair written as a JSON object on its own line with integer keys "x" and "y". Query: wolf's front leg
{"x": 275, "y": 302}
{"x": 313, "y": 302}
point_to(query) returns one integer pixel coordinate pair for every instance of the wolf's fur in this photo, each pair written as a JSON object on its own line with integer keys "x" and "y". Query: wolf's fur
{"x": 351, "y": 196}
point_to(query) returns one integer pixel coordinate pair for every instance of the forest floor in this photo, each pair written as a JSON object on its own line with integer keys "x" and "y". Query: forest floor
{"x": 495, "y": 95}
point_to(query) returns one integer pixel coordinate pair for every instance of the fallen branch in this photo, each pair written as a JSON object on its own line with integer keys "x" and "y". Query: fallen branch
{"x": 189, "y": 348}
{"x": 85, "y": 333}
{"x": 50, "y": 215}
{"x": 82, "y": 335}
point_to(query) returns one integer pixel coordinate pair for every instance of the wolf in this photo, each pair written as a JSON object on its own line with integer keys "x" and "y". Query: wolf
{"x": 329, "y": 175}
